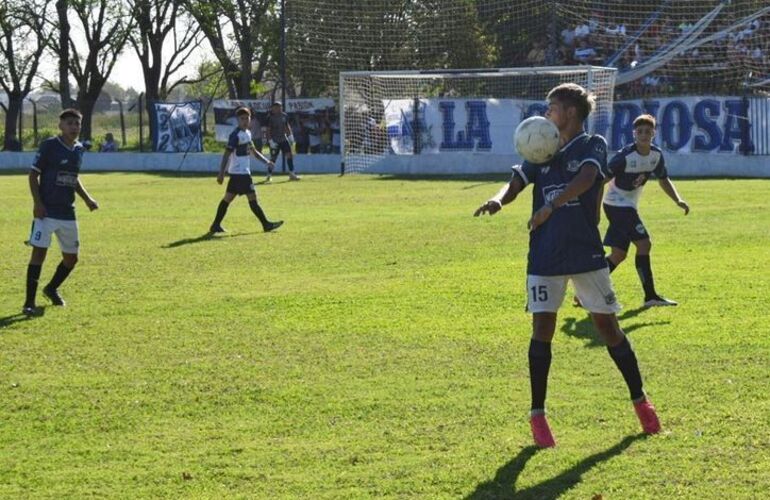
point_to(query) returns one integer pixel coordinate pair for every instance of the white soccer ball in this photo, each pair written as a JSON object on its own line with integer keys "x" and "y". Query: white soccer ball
{"x": 536, "y": 139}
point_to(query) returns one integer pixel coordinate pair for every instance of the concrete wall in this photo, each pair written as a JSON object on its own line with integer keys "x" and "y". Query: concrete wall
{"x": 680, "y": 165}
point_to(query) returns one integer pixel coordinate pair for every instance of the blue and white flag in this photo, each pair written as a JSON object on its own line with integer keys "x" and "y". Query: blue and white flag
{"x": 177, "y": 127}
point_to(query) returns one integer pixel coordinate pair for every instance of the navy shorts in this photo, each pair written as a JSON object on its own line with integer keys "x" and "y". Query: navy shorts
{"x": 283, "y": 147}
{"x": 625, "y": 227}
{"x": 240, "y": 184}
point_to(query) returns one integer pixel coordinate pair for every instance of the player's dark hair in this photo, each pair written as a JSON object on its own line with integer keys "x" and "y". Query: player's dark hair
{"x": 243, "y": 110}
{"x": 645, "y": 120}
{"x": 572, "y": 94}
{"x": 70, "y": 113}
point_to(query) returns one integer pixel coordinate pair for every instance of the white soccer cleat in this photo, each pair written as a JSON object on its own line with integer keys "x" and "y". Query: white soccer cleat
{"x": 659, "y": 301}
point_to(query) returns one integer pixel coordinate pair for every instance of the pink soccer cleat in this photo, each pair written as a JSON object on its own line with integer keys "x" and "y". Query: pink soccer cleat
{"x": 647, "y": 416}
{"x": 541, "y": 432}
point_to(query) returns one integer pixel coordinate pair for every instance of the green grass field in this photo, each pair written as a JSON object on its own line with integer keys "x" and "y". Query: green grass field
{"x": 375, "y": 346}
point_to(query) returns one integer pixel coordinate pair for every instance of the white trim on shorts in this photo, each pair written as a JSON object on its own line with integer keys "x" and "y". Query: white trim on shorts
{"x": 66, "y": 233}
{"x": 594, "y": 289}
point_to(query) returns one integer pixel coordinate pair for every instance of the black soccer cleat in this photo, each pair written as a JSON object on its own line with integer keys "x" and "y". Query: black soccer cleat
{"x": 31, "y": 311}
{"x": 53, "y": 296}
{"x": 217, "y": 229}
{"x": 272, "y": 226}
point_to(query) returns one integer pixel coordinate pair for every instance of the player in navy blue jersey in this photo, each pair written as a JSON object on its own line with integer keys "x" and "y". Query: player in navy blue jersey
{"x": 53, "y": 182}
{"x": 630, "y": 169}
{"x": 565, "y": 245}
{"x": 235, "y": 160}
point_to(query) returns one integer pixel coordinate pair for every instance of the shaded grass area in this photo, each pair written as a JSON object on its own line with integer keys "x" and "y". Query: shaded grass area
{"x": 373, "y": 346}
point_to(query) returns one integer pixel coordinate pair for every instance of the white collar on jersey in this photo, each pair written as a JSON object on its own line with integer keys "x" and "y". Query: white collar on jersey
{"x": 581, "y": 134}
{"x": 74, "y": 145}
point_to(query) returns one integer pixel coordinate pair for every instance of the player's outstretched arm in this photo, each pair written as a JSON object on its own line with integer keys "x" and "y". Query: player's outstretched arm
{"x": 506, "y": 195}
{"x": 670, "y": 190}
{"x": 81, "y": 191}
{"x": 260, "y": 157}
{"x": 577, "y": 186}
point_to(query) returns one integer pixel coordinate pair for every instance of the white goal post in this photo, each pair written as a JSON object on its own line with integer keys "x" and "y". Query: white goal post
{"x": 431, "y": 121}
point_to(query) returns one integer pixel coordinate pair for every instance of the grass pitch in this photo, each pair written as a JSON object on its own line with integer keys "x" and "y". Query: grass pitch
{"x": 374, "y": 346}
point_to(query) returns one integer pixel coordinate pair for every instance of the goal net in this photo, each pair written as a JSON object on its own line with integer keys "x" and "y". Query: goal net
{"x": 402, "y": 121}
{"x": 661, "y": 48}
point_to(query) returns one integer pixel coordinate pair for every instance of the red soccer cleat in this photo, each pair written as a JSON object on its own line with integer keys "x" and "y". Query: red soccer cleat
{"x": 541, "y": 432}
{"x": 647, "y": 417}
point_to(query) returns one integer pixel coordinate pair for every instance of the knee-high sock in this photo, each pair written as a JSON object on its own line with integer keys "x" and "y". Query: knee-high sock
{"x": 33, "y": 275}
{"x": 290, "y": 162}
{"x": 611, "y": 265}
{"x": 221, "y": 212}
{"x": 59, "y": 276}
{"x": 258, "y": 212}
{"x": 625, "y": 359}
{"x": 644, "y": 269}
{"x": 539, "y": 364}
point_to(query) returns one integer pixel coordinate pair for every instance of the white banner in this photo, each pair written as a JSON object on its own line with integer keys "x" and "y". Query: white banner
{"x": 177, "y": 127}
{"x": 685, "y": 124}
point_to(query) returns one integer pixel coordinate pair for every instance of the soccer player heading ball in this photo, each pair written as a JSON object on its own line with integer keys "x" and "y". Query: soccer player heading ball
{"x": 239, "y": 143}
{"x": 565, "y": 244}
{"x": 630, "y": 169}
{"x": 53, "y": 182}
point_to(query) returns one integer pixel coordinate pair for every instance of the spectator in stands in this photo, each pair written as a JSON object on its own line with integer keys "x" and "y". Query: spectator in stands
{"x": 109, "y": 145}
{"x": 313, "y": 129}
{"x": 536, "y": 56}
{"x": 584, "y": 53}
{"x": 87, "y": 145}
{"x": 326, "y": 134}
{"x": 300, "y": 134}
{"x": 582, "y": 31}
{"x": 334, "y": 125}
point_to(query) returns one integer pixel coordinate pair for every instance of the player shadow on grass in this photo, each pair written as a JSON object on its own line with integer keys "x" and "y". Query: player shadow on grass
{"x": 204, "y": 237}
{"x": 7, "y": 321}
{"x": 503, "y": 485}
{"x": 584, "y": 328}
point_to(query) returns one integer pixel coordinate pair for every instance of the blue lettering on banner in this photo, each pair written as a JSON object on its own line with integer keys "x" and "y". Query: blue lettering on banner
{"x": 651, "y": 108}
{"x": 623, "y": 123}
{"x": 736, "y": 113}
{"x": 478, "y": 124}
{"x": 536, "y": 109}
{"x": 702, "y": 113}
{"x": 676, "y": 133}
{"x": 476, "y": 127}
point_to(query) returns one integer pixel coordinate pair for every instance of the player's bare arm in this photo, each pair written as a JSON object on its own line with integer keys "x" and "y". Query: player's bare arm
{"x": 89, "y": 201}
{"x": 506, "y": 195}
{"x": 223, "y": 165}
{"x": 668, "y": 187}
{"x": 38, "y": 210}
{"x": 260, "y": 157}
{"x": 579, "y": 185}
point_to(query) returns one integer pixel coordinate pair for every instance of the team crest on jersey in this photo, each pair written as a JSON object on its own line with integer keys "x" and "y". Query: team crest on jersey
{"x": 545, "y": 170}
{"x": 640, "y": 229}
{"x": 599, "y": 148}
{"x": 610, "y": 298}
{"x": 551, "y": 192}
{"x": 573, "y": 166}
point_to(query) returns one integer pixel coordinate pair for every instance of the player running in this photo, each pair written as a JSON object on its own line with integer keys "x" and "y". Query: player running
{"x": 565, "y": 245}
{"x": 280, "y": 139}
{"x": 238, "y": 167}
{"x": 630, "y": 169}
{"x": 53, "y": 182}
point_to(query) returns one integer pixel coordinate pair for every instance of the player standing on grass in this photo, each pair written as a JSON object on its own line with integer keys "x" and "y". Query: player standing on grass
{"x": 565, "y": 245}
{"x": 53, "y": 182}
{"x": 630, "y": 169}
{"x": 280, "y": 139}
{"x": 238, "y": 167}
